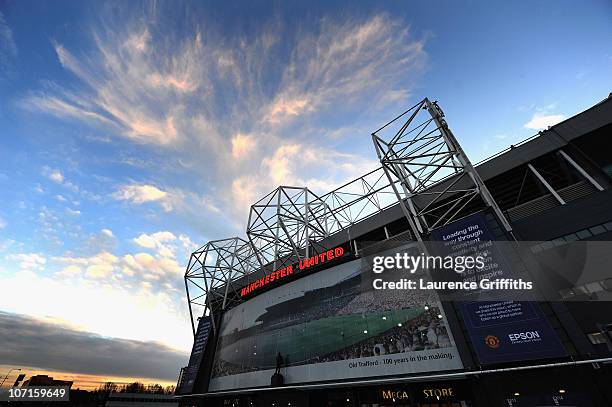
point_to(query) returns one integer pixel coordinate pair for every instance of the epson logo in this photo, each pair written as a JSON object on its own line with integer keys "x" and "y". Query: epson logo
{"x": 522, "y": 336}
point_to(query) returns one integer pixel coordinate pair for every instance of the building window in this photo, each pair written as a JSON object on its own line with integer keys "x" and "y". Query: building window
{"x": 597, "y": 338}
{"x": 596, "y": 230}
{"x": 572, "y": 237}
{"x": 583, "y": 234}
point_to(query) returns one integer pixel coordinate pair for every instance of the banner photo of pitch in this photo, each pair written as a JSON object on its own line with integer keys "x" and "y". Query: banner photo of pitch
{"x": 332, "y": 325}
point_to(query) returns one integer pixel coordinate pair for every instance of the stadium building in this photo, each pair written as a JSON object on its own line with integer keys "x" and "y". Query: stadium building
{"x": 286, "y": 316}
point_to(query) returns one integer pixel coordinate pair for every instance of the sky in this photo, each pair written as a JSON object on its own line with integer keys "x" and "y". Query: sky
{"x": 132, "y": 133}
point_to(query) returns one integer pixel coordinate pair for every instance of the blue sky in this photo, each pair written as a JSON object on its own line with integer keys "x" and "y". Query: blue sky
{"x": 131, "y": 133}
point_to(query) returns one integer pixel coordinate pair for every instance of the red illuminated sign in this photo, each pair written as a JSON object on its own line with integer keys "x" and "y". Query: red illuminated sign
{"x": 288, "y": 271}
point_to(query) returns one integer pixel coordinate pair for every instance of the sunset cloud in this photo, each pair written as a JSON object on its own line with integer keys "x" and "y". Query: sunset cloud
{"x": 187, "y": 128}
{"x": 242, "y": 145}
{"x": 163, "y": 95}
{"x": 83, "y": 352}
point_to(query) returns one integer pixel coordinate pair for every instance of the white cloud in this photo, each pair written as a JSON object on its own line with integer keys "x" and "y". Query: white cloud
{"x": 164, "y": 247}
{"x": 286, "y": 107}
{"x": 540, "y": 121}
{"x": 62, "y": 108}
{"x": 98, "y": 266}
{"x": 138, "y": 42}
{"x": 157, "y": 241}
{"x": 294, "y": 164}
{"x": 72, "y": 212}
{"x": 246, "y": 190}
{"x": 132, "y": 86}
{"x": 53, "y": 174}
{"x": 139, "y": 194}
{"x": 99, "y": 270}
{"x": 8, "y": 49}
{"x": 162, "y": 263}
{"x": 166, "y": 251}
{"x": 134, "y": 312}
{"x": 204, "y": 103}
{"x": 345, "y": 61}
{"x": 107, "y": 232}
{"x": 56, "y": 176}
{"x": 242, "y": 145}
{"x": 28, "y": 261}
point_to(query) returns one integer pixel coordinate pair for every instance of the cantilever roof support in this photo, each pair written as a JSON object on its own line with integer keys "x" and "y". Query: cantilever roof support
{"x": 581, "y": 170}
{"x": 546, "y": 184}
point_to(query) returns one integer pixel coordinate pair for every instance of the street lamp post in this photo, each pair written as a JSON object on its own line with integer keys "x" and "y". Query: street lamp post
{"x": 6, "y": 377}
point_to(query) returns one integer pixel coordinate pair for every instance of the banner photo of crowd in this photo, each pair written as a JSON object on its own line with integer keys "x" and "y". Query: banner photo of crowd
{"x": 331, "y": 326}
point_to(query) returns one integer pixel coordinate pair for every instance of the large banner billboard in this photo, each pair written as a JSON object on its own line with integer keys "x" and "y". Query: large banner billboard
{"x": 501, "y": 330}
{"x": 190, "y": 373}
{"x": 508, "y": 331}
{"x": 332, "y": 325}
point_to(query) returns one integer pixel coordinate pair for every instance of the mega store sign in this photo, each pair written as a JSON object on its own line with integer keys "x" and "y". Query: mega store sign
{"x": 423, "y": 393}
{"x": 326, "y": 257}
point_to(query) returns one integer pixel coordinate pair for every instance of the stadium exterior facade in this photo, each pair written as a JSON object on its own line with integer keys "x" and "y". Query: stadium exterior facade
{"x": 293, "y": 287}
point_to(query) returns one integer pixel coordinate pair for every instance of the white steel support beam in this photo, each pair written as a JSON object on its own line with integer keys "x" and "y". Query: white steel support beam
{"x": 581, "y": 170}
{"x": 546, "y": 184}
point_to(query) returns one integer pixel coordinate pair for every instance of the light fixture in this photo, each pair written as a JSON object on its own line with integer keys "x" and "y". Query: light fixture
{"x": 517, "y": 393}
{"x": 400, "y": 324}
{"x": 365, "y": 331}
{"x": 348, "y": 399}
{"x": 426, "y": 308}
{"x": 385, "y": 318}
{"x": 562, "y": 391}
{"x": 440, "y": 316}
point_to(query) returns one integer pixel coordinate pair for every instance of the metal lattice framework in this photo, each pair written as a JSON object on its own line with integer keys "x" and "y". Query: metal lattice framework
{"x": 437, "y": 180}
{"x": 360, "y": 198}
{"x": 423, "y": 167}
{"x": 286, "y": 225}
{"x": 212, "y": 273}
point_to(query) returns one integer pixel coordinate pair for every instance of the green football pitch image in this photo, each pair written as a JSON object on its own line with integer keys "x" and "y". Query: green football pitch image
{"x": 302, "y": 342}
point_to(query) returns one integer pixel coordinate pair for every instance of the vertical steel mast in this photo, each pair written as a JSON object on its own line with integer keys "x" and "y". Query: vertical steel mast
{"x": 437, "y": 181}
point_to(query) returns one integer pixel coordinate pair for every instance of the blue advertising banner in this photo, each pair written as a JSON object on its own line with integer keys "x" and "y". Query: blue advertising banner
{"x": 509, "y": 331}
{"x": 501, "y": 331}
{"x": 197, "y": 352}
